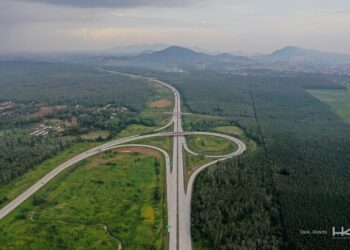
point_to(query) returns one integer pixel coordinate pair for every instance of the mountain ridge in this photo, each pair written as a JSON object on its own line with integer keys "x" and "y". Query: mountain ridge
{"x": 294, "y": 54}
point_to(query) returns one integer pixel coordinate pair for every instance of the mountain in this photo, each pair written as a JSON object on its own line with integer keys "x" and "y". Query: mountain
{"x": 176, "y": 54}
{"x": 184, "y": 56}
{"x": 227, "y": 57}
{"x": 134, "y": 50}
{"x": 292, "y": 54}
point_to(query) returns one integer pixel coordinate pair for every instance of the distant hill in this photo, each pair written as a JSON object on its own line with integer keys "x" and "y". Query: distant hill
{"x": 134, "y": 50}
{"x": 175, "y": 54}
{"x": 294, "y": 54}
{"x": 183, "y": 56}
{"x": 227, "y": 57}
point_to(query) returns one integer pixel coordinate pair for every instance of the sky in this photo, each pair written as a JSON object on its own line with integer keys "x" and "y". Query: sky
{"x": 253, "y": 26}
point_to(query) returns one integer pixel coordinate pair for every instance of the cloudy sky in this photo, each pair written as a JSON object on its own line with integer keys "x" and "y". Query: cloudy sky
{"x": 216, "y": 25}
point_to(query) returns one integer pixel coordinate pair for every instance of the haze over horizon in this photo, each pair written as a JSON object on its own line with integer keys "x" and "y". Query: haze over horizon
{"x": 215, "y": 25}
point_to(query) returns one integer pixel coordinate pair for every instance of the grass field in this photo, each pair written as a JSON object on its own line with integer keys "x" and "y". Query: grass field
{"x": 230, "y": 130}
{"x": 11, "y": 190}
{"x": 157, "y": 105}
{"x": 134, "y": 129}
{"x": 161, "y": 142}
{"x": 192, "y": 162}
{"x": 155, "y": 113}
{"x": 210, "y": 145}
{"x": 95, "y": 135}
{"x": 236, "y": 132}
{"x": 113, "y": 198}
{"x": 337, "y": 100}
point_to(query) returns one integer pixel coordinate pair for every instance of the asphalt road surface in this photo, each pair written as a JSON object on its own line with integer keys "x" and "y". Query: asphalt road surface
{"x": 178, "y": 199}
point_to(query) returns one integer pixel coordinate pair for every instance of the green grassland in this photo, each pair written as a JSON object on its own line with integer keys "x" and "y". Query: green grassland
{"x": 134, "y": 129}
{"x": 93, "y": 135}
{"x": 154, "y": 117}
{"x": 337, "y": 100}
{"x": 116, "y": 197}
{"x": 236, "y": 132}
{"x": 158, "y": 114}
{"x": 160, "y": 142}
{"x": 158, "y": 119}
{"x": 230, "y": 130}
{"x": 210, "y": 145}
{"x": 192, "y": 162}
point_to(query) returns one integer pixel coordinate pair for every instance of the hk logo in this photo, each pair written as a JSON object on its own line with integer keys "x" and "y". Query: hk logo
{"x": 342, "y": 232}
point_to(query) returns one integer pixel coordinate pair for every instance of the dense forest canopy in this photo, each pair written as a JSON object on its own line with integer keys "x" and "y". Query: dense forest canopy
{"x": 69, "y": 84}
{"x": 307, "y": 155}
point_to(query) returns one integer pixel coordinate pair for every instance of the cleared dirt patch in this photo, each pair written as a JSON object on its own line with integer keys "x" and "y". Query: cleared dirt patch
{"x": 163, "y": 103}
{"x": 5, "y": 105}
{"x": 158, "y": 86}
{"x": 44, "y": 111}
{"x": 71, "y": 122}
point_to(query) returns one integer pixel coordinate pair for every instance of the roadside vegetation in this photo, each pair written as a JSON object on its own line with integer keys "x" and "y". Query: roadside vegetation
{"x": 116, "y": 199}
{"x": 236, "y": 132}
{"x": 165, "y": 143}
{"x": 95, "y": 135}
{"x": 191, "y": 163}
{"x": 210, "y": 145}
{"x": 194, "y": 161}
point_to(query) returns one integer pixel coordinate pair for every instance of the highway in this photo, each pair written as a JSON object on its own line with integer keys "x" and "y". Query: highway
{"x": 178, "y": 199}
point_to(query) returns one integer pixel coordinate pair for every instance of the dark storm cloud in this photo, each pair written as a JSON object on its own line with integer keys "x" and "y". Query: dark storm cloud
{"x": 117, "y": 3}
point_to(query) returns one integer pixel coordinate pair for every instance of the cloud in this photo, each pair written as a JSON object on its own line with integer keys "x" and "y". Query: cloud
{"x": 118, "y": 3}
{"x": 342, "y": 11}
{"x": 12, "y": 13}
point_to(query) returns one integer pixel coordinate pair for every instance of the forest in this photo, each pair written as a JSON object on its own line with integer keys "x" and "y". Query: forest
{"x": 20, "y": 153}
{"x": 69, "y": 84}
{"x": 66, "y": 100}
{"x": 306, "y": 157}
{"x": 244, "y": 213}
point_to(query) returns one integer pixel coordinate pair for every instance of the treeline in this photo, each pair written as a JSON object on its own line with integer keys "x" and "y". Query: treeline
{"x": 70, "y": 84}
{"x": 191, "y": 124}
{"x": 234, "y": 206}
{"x": 91, "y": 122}
{"x": 18, "y": 153}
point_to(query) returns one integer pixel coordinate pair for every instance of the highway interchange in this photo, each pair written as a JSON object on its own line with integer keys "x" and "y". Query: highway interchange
{"x": 178, "y": 198}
